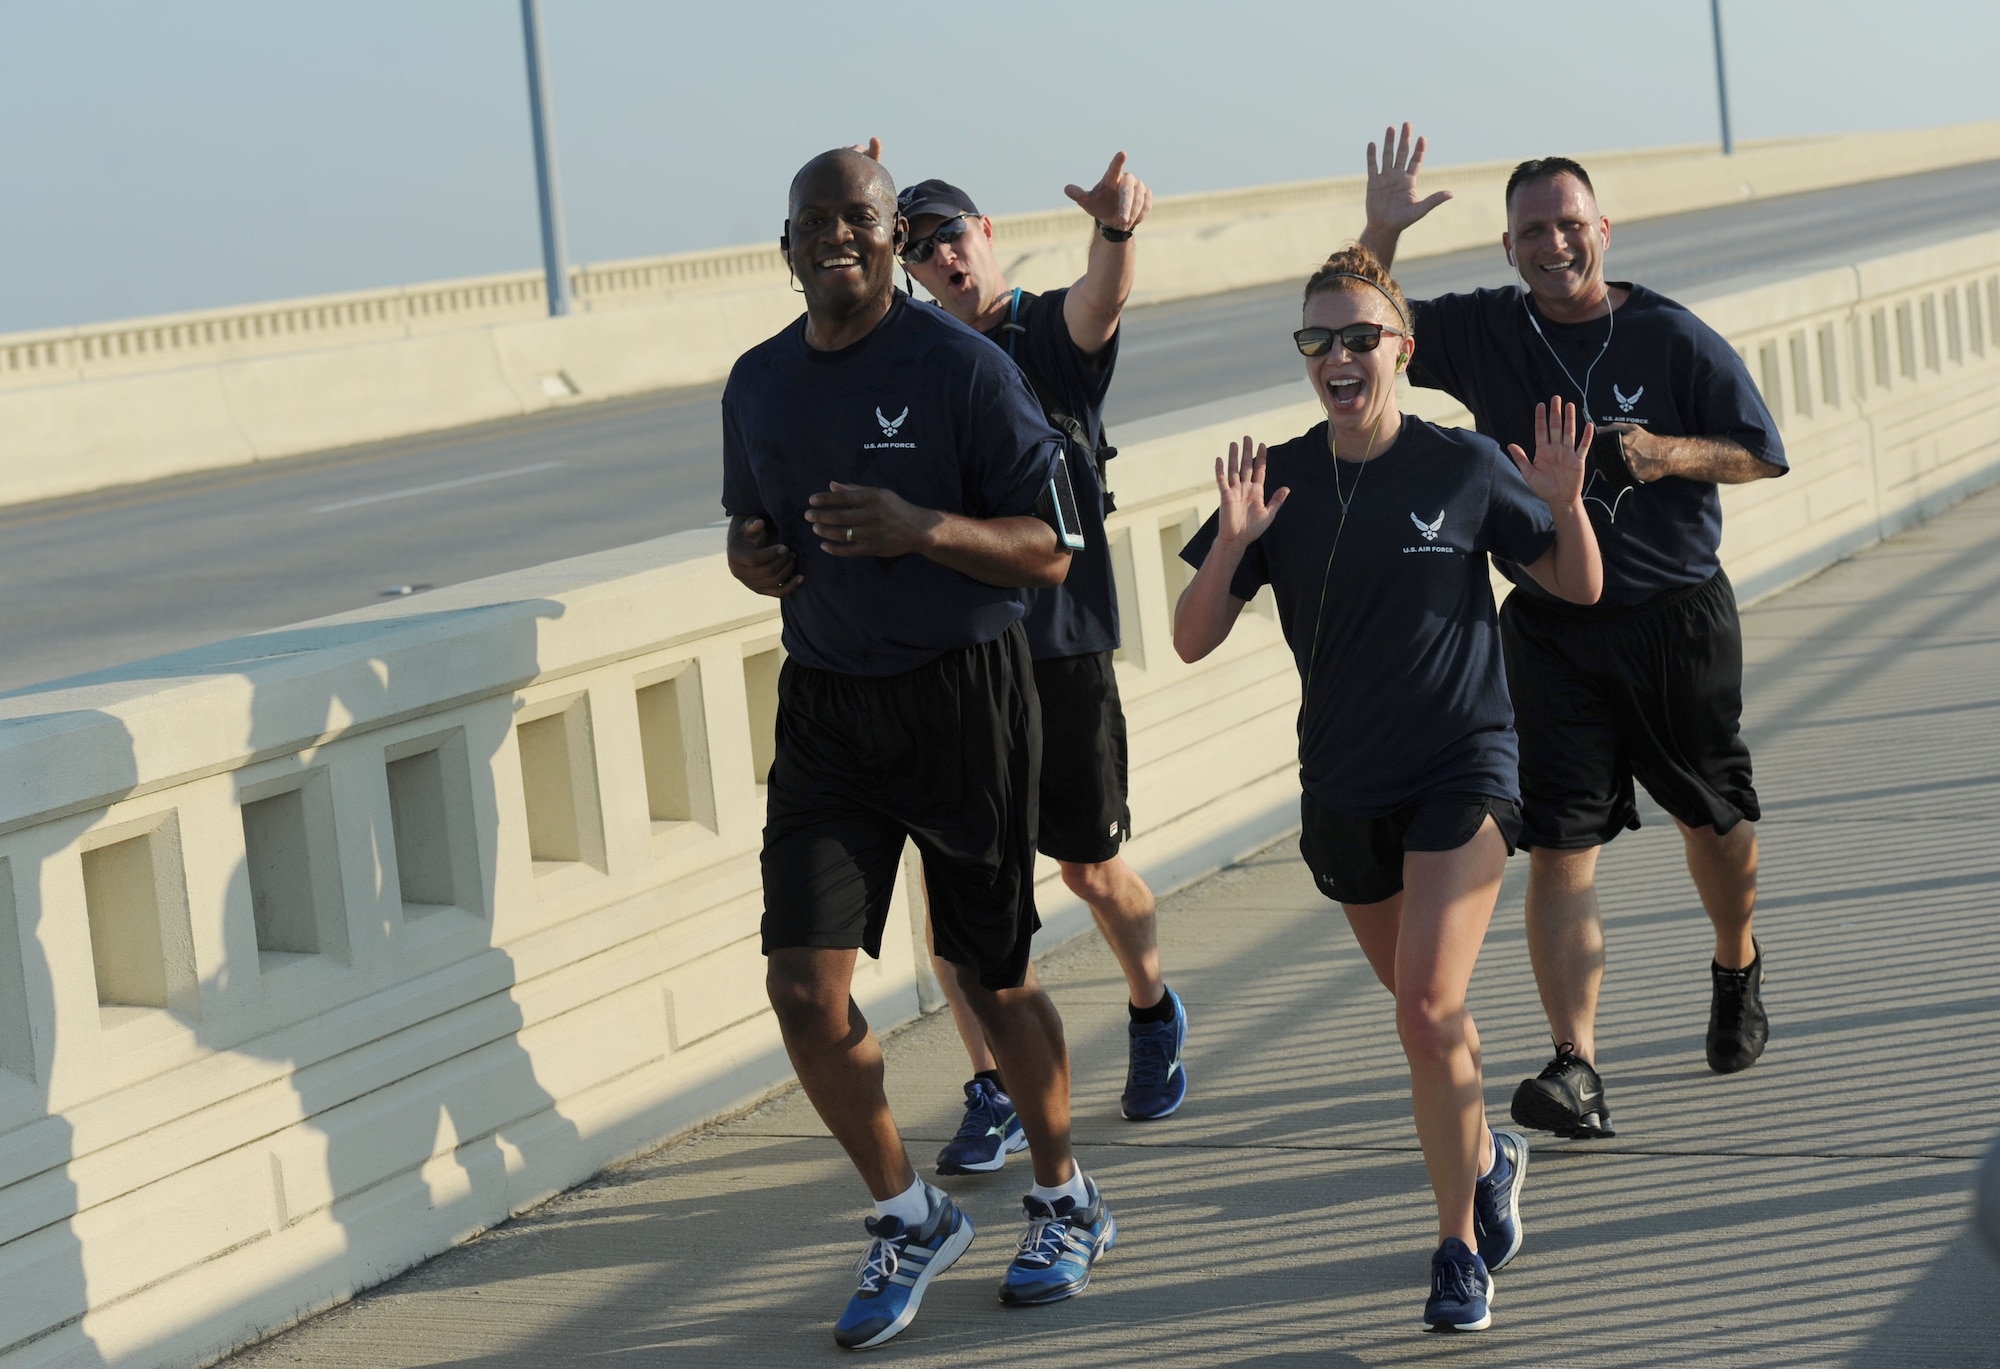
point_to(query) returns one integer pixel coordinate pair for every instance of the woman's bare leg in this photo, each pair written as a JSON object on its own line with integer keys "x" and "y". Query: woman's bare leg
{"x": 1423, "y": 944}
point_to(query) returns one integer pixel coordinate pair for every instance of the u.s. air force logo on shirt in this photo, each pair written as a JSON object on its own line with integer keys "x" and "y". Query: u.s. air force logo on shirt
{"x": 890, "y": 427}
{"x": 1429, "y": 529}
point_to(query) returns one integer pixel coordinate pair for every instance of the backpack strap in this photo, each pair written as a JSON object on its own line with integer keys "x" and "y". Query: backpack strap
{"x": 1068, "y": 424}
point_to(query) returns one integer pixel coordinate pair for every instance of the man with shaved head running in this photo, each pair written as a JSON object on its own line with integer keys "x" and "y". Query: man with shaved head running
{"x": 889, "y": 478}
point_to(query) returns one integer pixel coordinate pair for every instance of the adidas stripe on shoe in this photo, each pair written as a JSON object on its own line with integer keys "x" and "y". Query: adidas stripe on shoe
{"x": 896, "y": 1268}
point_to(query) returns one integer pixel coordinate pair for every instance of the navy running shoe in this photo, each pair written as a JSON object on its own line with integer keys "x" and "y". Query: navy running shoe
{"x": 1496, "y": 1201}
{"x": 1461, "y": 1290}
{"x": 1155, "y": 1080}
{"x": 987, "y": 1134}
{"x": 897, "y": 1267}
{"x": 1061, "y": 1244}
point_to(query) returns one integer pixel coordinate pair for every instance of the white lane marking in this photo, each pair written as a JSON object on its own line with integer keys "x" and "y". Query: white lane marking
{"x": 440, "y": 485}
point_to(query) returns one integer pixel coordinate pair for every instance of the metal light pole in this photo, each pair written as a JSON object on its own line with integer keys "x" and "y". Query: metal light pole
{"x": 555, "y": 262}
{"x": 1721, "y": 76}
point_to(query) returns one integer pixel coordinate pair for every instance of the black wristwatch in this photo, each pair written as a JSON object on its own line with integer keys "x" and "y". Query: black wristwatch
{"x": 1110, "y": 234}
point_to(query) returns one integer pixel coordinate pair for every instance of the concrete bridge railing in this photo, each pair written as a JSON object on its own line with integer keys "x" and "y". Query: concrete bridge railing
{"x": 324, "y": 948}
{"x": 108, "y": 404}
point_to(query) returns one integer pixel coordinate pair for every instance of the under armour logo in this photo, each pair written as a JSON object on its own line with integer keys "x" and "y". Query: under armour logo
{"x": 890, "y": 425}
{"x": 1429, "y": 530}
{"x": 1625, "y": 401}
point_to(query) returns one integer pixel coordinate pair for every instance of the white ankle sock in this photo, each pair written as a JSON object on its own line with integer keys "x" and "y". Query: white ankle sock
{"x": 1073, "y": 1189}
{"x": 913, "y": 1204}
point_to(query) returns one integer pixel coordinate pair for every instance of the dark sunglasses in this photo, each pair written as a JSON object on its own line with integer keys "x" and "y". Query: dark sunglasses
{"x": 951, "y": 230}
{"x": 1355, "y": 337}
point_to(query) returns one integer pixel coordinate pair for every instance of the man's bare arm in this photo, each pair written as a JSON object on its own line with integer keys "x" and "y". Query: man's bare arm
{"x": 1020, "y": 551}
{"x": 1120, "y": 201}
{"x": 1716, "y": 460}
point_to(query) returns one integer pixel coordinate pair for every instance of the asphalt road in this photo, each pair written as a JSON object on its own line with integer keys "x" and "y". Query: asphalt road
{"x": 101, "y": 579}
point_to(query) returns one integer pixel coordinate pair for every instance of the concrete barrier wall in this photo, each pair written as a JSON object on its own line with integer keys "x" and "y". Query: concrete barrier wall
{"x": 325, "y": 948}
{"x": 111, "y": 404}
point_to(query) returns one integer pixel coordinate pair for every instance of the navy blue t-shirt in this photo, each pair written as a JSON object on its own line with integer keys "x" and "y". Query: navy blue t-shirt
{"x": 1397, "y": 643}
{"x": 1079, "y": 616}
{"x": 922, "y": 406}
{"x": 1665, "y": 371}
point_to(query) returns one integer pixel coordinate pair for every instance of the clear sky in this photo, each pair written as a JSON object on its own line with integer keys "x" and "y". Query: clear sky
{"x": 158, "y": 155}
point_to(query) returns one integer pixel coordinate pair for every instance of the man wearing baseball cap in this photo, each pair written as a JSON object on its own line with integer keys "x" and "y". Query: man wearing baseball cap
{"x": 1066, "y": 343}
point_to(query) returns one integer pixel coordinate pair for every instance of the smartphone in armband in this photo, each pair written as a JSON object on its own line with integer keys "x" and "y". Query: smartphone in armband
{"x": 1061, "y": 513}
{"x": 1607, "y": 459}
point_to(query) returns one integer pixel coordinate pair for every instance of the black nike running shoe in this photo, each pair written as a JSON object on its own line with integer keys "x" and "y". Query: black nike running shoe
{"x": 1567, "y": 1098}
{"x": 1737, "y": 1024}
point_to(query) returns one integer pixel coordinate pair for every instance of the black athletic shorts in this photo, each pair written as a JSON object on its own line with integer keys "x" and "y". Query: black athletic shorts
{"x": 1360, "y": 860}
{"x": 1602, "y": 697}
{"x": 944, "y": 754}
{"x": 1084, "y": 814}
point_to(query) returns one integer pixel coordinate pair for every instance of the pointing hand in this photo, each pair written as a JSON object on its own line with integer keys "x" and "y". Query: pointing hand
{"x": 1119, "y": 200}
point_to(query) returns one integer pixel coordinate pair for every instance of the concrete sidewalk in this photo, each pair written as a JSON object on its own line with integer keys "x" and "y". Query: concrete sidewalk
{"x": 1812, "y": 1211}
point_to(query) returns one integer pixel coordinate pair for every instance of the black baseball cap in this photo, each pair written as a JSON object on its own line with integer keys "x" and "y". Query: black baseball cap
{"x": 934, "y": 197}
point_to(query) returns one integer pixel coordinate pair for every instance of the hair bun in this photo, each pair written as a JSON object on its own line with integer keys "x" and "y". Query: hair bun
{"x": 1356, "y": 263}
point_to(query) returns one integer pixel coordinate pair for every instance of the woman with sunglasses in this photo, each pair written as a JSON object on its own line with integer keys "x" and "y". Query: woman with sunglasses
{"x": 1374, "y": 539}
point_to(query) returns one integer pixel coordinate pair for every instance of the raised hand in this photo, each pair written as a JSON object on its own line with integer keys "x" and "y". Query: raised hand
{"x": 1557, "y": 472}
{"x": 1245, "y": 514}
{"x": 1119, "y": 200}
{"x": 1392, "y": 201}
{"x": 872, "y": 149}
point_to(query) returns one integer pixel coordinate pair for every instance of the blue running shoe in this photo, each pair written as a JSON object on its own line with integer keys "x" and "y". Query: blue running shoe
{"x": 1496, "y": 1201}
{"x": 987, "y": 1134}
{"x": 1155, "y": 1081}
{"x": 1061, "y": 1244}
{"x": 897, "y": 1267}
{"x": 1461, "y": 1290}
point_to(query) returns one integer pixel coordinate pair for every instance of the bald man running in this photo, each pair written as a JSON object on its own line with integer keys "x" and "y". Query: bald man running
{"x": 890, "y": 478}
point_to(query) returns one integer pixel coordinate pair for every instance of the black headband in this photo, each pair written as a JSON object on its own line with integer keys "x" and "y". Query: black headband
{"x": 1349, "y": 275}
